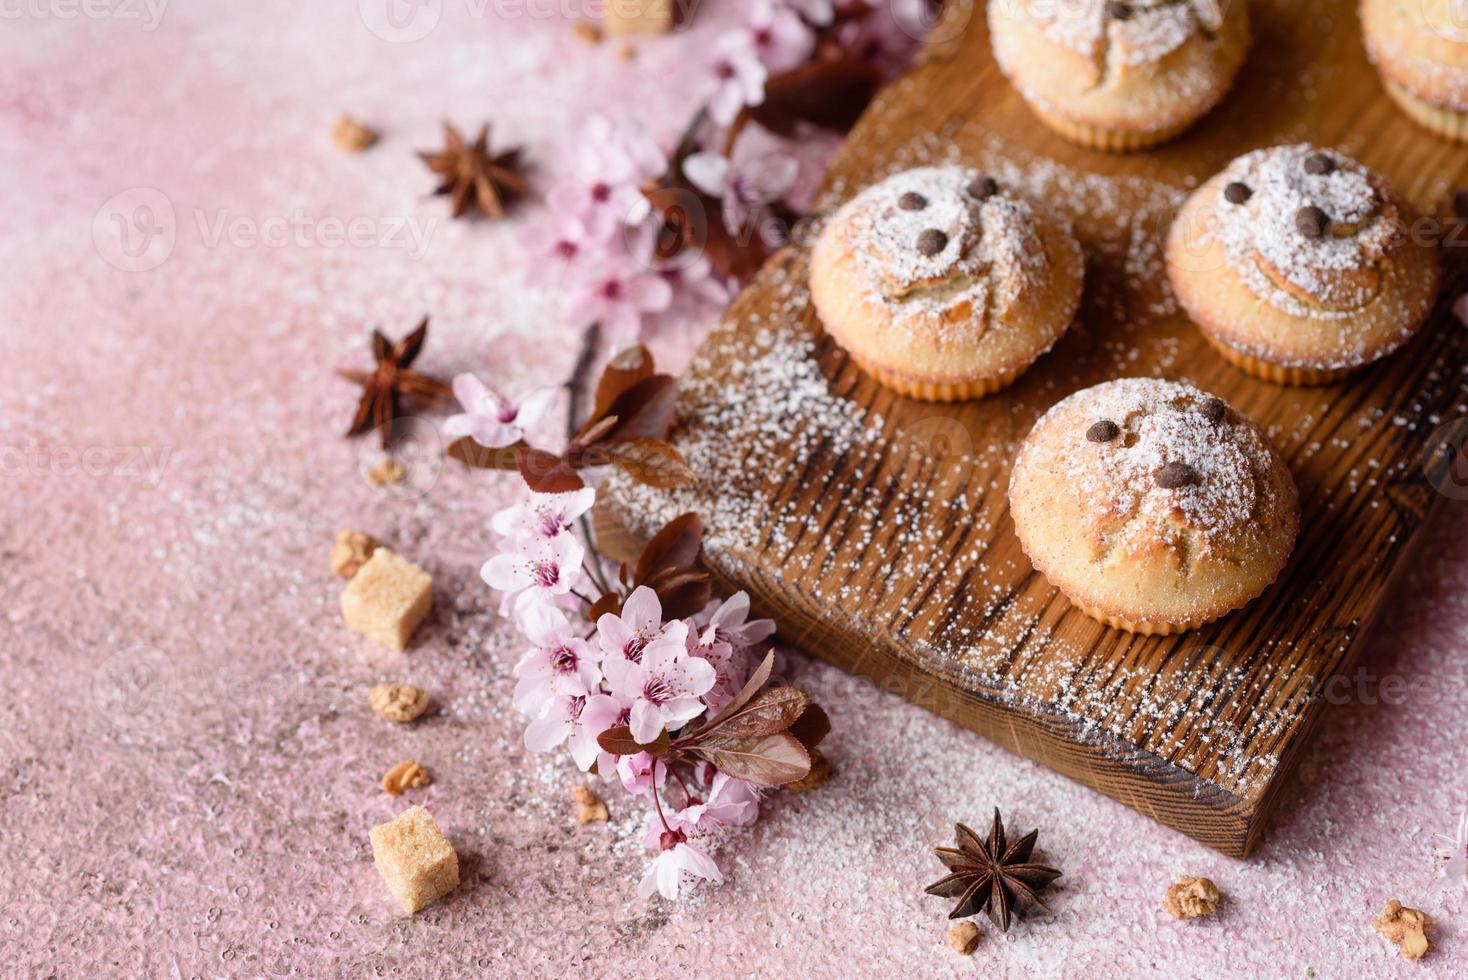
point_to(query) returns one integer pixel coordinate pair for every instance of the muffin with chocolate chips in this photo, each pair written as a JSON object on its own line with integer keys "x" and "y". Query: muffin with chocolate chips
{"x": 1420, "y": 48}
{"x": 944, "y": 284}
{"x": 1153, "y": 506}
{"x": 1300, "y": 265}
{"x": 1120, "y": 74}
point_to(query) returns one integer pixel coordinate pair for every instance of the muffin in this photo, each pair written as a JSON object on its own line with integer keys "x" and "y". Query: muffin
{"x": 1120, "y": 76}
{"x": 1153, "y": 506}
{"x": 944, "y": 284}
{"x": 1300, "y": 265}
{"x": 1420, "y": 47}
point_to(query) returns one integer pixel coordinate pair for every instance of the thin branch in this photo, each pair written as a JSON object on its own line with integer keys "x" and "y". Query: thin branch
{"x": 576, "y": 385}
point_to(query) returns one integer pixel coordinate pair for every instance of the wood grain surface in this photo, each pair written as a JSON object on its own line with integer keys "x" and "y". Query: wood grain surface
{"x": 876, "y": 531}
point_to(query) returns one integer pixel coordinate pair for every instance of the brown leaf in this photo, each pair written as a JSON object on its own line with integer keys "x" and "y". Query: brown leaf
{"x": 645, "y": 410}
{"x": 751, "y": 687}
{"x": 811, "y": 726}
{"x": 619, "y": 741}
{"x": 772, "y": 710}
{"x": 651, "y": 462}
{"x": 591, "y": 432}
{"x": 687, "y": 598}
{"x": 675, "y": 546}
{"x": 831, "y": 92}
{"x": 471, "y": 453}
{"x": 624, "y": 370}
{"x": 609, "y": 603}
{"x": 546, "y": 472}
{"x": 693, "y": 222}
{"x": 768, "y": 760}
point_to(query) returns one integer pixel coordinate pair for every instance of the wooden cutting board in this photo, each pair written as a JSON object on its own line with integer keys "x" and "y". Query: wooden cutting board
{"x": 875, "y": 529}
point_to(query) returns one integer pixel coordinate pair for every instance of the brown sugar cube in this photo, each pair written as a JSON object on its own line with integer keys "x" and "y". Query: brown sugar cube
{"x": 351, "y": 551}
{"x": 963, "y": 937}
{"x": 386, "y": 471}
{"x": 415, "y": 859}
{"x": 1407, "y": 928}
{"x": 404, "y": 776}
{"x": 398, "y": 702}
{"x": 1191, "y": 898}
{"x": 591, "y": 809}
{"x": 639, "y": 16}
{"x": 387, "y": 599}
{"x": 351, "y": 136}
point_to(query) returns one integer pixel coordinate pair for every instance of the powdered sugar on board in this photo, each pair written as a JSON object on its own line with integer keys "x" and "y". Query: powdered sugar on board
{"x": 772, "y": 426}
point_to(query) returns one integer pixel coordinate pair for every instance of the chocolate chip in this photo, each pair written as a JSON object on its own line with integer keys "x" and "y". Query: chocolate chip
{"x": 1237, "y": 193}
{"x": 931, "y": 242}
{"x": 1118, "y": 11}
{"x": 1319, "y": 164}
{"x": 1213, "y": 410}
{"x": 912, "y": 201}
{"x": 983, "y": 188}
{"x": 1311, "y": 221}
{"x": 1175, "y": 475}
{"x": 1103, "y": 431}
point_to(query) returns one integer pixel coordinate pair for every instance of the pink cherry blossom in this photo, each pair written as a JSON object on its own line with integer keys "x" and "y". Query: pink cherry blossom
{"x": 731, "y": 803}
{"x": 559, "y": 664}
{"x": 558, "y": 249}
{"x": 664, "y": 685}
{"x": 679, "y": 864}
{"x": 780, "y": 37}
{"x": 492, "y": 419}
{"x": 577, "y": 719}
{"x": 813, "y": 147}
{"x": 619, "y": 292}
{"x": 1456, "y": 867}
{"x": 544, "y": 515}
{"x": 737, "y": 77}
{"x": 731, "y": 671}
{"x": 536, "y": 569}
{"x": 731, "y": 623}
{"x": 756, "y": 175}
{"x": 639, "y": 772}
{"x": 818, "y": 12}
{"x": 624, "y": 635}
{"x": 695, "y": 284}
{"x": 603, "y": 189}
{"x": 887, "y": 38}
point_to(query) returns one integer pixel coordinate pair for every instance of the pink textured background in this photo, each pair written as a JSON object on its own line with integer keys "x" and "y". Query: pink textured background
{"x": 189, "y": 762}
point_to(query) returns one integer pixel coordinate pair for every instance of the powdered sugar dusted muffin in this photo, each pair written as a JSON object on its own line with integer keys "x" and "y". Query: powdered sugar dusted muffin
{"x": 1420, "y": 47}
{"x": 944, "y": 284}
{"x": 1153, "y": 506}
{"x": 1300, "y": 265}
{"x": 1120, "y": 75}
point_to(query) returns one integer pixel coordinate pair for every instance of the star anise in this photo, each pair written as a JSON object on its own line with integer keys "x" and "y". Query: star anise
{"x": 383, "y": 387}
{"x": 991, "y": 875}
{"x": 473, "y": 175}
